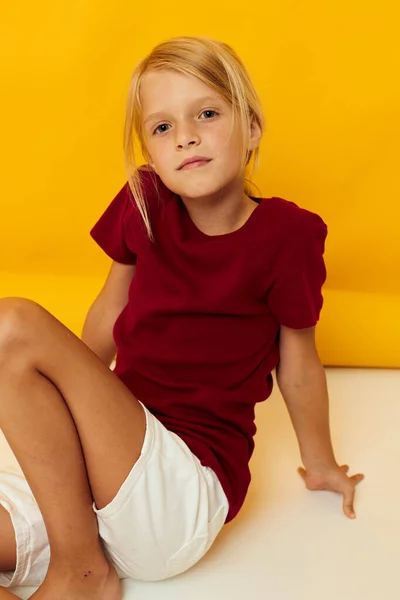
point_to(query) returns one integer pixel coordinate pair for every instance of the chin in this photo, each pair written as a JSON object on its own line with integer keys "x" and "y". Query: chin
{"x": 199, "y": 189}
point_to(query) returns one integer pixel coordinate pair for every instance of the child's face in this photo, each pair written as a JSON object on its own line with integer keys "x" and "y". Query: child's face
{"x": 183, "y": 118}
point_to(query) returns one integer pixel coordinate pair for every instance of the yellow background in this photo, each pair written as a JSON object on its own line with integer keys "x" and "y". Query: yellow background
{"x": 328, "y": 77}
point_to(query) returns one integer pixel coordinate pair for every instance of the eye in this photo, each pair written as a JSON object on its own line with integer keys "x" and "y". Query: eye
{"x": 156, "y": 131}
{"x": 210, "y": 113}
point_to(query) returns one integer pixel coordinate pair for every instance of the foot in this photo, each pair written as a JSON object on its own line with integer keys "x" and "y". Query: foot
{"x": 89, "y": 585}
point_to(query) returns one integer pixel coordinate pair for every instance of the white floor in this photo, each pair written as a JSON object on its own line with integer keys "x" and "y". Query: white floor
{"x": 292, "y": 544}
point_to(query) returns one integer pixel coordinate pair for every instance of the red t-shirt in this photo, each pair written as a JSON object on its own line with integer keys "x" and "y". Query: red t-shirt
{"x": 199, "y": 336}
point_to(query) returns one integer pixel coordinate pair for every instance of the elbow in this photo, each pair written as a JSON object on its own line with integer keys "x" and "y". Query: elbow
{"x": 295, "y": 376}
{"x": 298, "y": 357}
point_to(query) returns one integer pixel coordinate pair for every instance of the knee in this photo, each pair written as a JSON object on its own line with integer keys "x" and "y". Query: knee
{"x": 16, "y": 317}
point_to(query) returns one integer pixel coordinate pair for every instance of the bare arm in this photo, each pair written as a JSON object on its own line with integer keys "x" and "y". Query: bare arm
{"x": 97, "y": 331}
{"x": 302, "y": 381}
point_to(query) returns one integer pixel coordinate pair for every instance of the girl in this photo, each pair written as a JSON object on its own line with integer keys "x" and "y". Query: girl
{"x": 133, "y": 473}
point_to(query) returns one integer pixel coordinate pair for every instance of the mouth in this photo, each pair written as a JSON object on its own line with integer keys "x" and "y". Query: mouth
{"x": 194, "y": 163}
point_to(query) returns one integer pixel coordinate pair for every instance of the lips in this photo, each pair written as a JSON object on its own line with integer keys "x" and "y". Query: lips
{"x": 195, "y": 161}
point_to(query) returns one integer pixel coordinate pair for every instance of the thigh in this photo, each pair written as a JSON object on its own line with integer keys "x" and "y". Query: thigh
{"x": 5, "y": 595}
{"x": 8, "y": 545}
{"x": 29, "y": 531}
{"x": 168, "y": 513}
{"x": 110, "y": 421}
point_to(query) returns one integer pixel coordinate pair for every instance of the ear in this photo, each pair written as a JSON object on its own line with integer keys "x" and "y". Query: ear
{"x": 255, "y": 134}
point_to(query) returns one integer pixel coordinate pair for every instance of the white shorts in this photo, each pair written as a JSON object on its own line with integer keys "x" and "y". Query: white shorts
{"x": 163, "y": 520}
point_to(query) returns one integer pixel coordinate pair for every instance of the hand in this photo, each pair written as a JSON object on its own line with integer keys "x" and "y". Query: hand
{"x": 334, "y": 480}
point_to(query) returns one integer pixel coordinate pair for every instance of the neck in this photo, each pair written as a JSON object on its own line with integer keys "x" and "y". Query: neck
{"x": 221, "y": 213}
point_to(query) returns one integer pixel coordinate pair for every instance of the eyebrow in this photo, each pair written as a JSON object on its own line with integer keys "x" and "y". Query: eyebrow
{"x": 206, "y": 99}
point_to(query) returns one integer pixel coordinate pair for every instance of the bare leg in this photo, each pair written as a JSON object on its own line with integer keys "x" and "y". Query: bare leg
{"x": 38, "y": 425}
{"x": 7, "y": 550}
{"x": 42, "y": 434}
{"x": 6, "y": 595}
{"x": 8, "y": 546}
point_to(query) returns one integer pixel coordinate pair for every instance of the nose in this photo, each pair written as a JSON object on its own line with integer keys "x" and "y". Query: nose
{"x": 186, "y": 136}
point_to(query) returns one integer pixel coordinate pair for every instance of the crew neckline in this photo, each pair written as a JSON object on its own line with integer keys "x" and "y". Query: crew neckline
{"x": 221, "y": 236}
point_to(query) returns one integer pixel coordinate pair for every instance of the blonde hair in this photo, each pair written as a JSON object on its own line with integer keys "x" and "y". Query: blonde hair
{"x": 218, "y": 66}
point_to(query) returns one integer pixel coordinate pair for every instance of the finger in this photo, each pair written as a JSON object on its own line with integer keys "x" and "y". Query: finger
{"x": 356, "y": 479}
{"x": 344, "y": 468}
{"x": 348, "y": 503}
{"x": 302, "y": 472}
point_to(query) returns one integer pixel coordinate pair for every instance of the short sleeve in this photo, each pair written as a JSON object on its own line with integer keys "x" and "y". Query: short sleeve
{"x": 110, "y": 230}
{"x": 295, "y": 298}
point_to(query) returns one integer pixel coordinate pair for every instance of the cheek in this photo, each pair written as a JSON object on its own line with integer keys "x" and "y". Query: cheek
{"x": 229, "y": 156}
{"x": 225, "y": 143}
{"x": 217, "y": 135}
{"x": 160, "y": 151}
